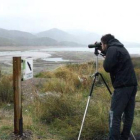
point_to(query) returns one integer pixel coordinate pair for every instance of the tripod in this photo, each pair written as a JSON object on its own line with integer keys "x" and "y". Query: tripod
{"x": 95, "y": 77}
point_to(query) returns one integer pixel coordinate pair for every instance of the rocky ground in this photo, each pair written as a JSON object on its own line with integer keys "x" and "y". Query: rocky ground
{"x": 27, "y": 135}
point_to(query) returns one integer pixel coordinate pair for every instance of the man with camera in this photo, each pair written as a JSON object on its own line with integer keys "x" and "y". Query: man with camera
{"x": 118, "y": 63}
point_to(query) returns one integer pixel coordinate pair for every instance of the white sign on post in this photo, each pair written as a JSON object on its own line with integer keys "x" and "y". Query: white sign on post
{"x": 27, "y": 68}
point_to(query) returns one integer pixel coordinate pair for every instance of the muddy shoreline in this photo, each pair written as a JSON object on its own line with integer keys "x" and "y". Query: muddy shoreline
{"x": 71, "y": 57}
{"x": 6, "y": 65}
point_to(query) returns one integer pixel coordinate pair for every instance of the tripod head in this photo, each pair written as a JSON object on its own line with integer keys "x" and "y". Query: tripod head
{"x": 96, "y": 51}
{"x": 97, "y": 47}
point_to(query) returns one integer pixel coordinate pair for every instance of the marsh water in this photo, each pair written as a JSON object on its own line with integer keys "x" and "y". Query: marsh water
{"x": 45, "y": 54}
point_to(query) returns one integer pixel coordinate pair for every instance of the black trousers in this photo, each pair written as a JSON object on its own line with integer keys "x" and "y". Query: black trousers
{"x": 123, "y": 102}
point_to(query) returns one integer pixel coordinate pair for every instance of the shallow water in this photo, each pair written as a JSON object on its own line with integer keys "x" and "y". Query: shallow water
{"x": 131, "y": 50}
{"x": 57, "y": 59}
{"x": 45, "y": 54}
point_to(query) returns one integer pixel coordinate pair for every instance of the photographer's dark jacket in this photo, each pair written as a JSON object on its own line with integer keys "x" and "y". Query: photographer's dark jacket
{"x": 118, "y": 64}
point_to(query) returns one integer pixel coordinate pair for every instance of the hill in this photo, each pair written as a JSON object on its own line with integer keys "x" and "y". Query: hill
{"x": 78, "y": 36}
{"x": 58, "y": 35}
{"x": 13, "y": 34}
{"x": 54, "y": 37}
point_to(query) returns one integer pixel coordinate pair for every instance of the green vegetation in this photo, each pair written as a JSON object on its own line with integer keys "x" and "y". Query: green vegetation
{"x": 6, "y": 89}
{"x": 63, "y": 109}
{"x": 56, "y": 113}
{"x": 136, "y": 62}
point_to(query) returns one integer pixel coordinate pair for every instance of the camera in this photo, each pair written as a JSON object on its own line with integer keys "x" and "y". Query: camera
{"x": 96, "y": 45}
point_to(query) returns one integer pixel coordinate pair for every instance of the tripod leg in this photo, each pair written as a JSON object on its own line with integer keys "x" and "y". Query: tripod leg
{"x": 105, "y": 83}
{"x": 133, "y": 135}
{"x": 84, "y": 118}
{"x": 86, "y": 107}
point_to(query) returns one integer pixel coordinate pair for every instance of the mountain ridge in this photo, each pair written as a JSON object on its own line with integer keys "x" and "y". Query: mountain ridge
{"x": 21, "y": 38}
{"x": 51, "y": 37}
{"x": 58, "y": 35}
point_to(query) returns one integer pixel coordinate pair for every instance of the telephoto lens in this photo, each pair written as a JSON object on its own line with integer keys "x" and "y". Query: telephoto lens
{"x": 96, "y": 45}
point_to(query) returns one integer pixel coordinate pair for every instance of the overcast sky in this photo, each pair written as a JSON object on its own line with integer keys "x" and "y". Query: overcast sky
{"x": 119, "y": 17}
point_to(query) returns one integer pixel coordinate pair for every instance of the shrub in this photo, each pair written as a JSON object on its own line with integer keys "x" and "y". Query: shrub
{"x": 6, "y": 89}
{"x": 136, "y": 62}
{"x": 63, "y": 108}
{"x": 64, "y": 116}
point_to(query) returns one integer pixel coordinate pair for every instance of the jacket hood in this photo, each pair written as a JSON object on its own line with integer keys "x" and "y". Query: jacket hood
{"x": 114, "y": 42}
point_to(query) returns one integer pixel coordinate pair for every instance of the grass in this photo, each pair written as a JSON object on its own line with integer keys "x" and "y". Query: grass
{"x": 63, "y": 107}
{"x": 6, "y": 89}
{"x": 64, "y": 116}
{"x": 6, "y": 122}
{"x": 62, "y": 111}
{"x": 56, "y": 113}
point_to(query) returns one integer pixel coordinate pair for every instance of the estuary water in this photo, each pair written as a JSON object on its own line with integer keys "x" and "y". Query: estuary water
{"x": 131, "y": 50}
{"x": 45, "y": 54}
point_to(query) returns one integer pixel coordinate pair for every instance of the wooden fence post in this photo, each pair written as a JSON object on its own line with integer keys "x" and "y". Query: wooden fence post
{"x": 18, "y": 121}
